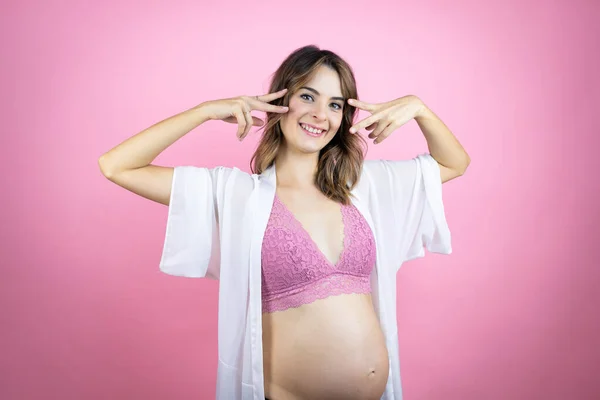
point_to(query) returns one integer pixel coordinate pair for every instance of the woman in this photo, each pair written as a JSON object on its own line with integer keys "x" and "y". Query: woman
{"x": 307, "y": 247}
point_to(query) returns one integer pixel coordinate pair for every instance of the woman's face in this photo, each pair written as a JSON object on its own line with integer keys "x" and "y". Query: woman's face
{"x": 315, "y": 113}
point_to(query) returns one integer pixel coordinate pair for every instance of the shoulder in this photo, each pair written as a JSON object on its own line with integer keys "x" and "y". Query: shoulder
{"x": 398, "y": 177}
{"x": 223, "y": 180}
{"x": 235, "y": 182}
{"x": 381, "y": 171}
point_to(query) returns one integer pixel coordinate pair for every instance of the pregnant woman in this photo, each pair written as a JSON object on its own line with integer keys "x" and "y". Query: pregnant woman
{"x": 307, "y": 246}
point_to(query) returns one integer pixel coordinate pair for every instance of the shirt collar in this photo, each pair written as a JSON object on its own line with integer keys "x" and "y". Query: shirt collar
{"x": 269, "y": 175}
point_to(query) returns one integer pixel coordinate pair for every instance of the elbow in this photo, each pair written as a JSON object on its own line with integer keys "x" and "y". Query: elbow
{"x": 461, "y": 167}
{"x": 104, "y": 168}
{"x": 465, "y": 164}
{"x": 467, "y": 160}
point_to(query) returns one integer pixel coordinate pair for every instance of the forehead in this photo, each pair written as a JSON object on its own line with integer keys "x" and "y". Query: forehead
{"x": 326, "y": 81}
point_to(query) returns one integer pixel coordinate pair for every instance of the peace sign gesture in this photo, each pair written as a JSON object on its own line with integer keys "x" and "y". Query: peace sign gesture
{"x": 238, "y": 109}
{"x": 386, "y": 117}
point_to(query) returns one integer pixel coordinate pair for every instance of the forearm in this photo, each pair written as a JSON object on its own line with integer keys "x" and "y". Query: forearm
{"x": 141, "y": 149}
{"x": 443, "y": 146}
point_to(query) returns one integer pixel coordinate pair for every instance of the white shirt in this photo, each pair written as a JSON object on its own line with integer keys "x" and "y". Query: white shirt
{"x": 216, "y": 221}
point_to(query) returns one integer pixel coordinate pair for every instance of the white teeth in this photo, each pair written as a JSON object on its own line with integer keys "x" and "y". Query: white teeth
{"x": 312, "y": 130}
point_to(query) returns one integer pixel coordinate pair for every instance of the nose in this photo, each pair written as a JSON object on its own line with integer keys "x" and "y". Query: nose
{"x": 320, "y": 111}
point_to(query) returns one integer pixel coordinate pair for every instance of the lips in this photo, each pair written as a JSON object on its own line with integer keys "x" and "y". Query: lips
{"x": 313, "y": 134}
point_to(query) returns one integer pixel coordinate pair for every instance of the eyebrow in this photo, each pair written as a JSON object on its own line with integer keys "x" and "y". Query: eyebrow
{"x": 318, "y": 94}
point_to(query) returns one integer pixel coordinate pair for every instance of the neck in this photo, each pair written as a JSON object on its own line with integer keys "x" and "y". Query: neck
{"x": 296, "y": 169}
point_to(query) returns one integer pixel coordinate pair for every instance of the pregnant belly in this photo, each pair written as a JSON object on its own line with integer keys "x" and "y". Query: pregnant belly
{"x": 330, "y": 349}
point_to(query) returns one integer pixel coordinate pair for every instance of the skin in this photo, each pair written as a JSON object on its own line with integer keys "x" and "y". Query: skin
{"x": 298, "y": 156}
{"x": 332, "y": 348}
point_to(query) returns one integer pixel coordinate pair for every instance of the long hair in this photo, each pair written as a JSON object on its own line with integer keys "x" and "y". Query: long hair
{"x": 340, "y": 161}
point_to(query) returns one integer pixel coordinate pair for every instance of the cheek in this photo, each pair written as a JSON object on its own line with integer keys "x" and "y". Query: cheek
{"x": 336, "y": 122}
{"x": 293, "y": 115}
{"x": 296, "y": 111}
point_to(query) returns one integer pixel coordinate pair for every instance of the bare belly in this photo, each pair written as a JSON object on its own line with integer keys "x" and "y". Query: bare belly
{"x": 330, "y": 349}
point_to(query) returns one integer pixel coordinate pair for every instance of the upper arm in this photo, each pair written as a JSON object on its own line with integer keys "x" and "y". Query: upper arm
{"x": 447, "y": 174}
{"x": 412, "y": 191}
{"x": 203, "y": 208}
{"x": 152, "y": 182}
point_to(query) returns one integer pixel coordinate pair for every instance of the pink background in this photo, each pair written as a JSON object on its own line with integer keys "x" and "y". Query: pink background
{"x": 510, "y": 315}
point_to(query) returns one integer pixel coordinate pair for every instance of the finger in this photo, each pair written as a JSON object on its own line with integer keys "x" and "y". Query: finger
{"x": 271, "y": 96}
{"x": 385, "y": 133}
{"x": 249, "y": 124}
{"x": 380, "y": 127}
{"x": 362, "y": 105}
{"x": 239, "y": 115}
{"x": 266, "y": 107}
{"x": 372, "y": 126}
{"x": 365, "y": 122}
{"x": 257, "y": 121}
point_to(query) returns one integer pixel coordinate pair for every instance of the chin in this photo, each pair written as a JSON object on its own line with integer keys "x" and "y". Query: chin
{"x": 311, "y": 144}
{"x": 310, "y": 149}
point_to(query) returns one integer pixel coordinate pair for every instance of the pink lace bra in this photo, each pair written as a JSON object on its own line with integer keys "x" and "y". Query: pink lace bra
{"x": 296, "y": 272}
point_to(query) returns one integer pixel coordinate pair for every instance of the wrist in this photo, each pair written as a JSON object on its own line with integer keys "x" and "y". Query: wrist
{"x": 422, "y": 111}
{"x": 200, "y": 113}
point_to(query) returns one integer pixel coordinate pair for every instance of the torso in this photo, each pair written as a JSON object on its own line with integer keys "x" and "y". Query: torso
{"x": 332, "y": 348}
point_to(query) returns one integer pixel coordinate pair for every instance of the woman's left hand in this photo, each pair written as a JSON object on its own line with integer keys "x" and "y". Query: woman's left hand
{"x": 386, "y": 117}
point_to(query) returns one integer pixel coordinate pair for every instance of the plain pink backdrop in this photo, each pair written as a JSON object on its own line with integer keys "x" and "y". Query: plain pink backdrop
{"x": 510, "y": 315}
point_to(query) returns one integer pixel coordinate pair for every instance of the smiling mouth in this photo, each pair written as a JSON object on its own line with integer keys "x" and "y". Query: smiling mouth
{"x": 312, "y": 131}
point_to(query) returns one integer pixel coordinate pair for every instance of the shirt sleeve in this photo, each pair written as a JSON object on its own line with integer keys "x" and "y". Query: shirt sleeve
{"x": 191, "y": 247}
{"x": 415, "y": 192}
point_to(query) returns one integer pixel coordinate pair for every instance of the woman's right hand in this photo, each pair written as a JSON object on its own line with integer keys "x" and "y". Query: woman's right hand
{"x": 237, "y": 110}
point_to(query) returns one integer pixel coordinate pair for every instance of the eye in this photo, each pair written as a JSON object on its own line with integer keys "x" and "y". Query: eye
{"x": 306, "y": 96}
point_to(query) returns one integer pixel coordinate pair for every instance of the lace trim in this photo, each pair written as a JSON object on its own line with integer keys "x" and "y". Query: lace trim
{"x": 332, "y": 285}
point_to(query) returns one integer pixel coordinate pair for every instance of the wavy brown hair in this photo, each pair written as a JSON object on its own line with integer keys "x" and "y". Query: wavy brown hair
{"x": 340, "y": 161}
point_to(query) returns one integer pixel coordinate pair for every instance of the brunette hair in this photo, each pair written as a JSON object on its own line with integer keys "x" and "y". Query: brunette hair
{"x": 340, "y": 161}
